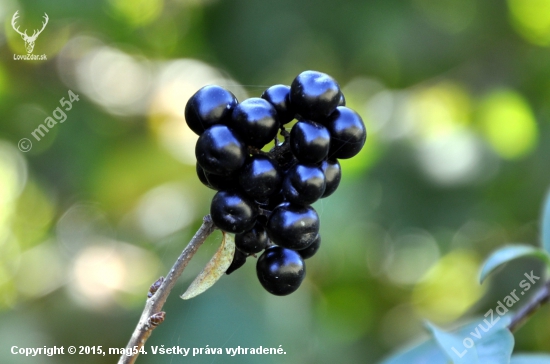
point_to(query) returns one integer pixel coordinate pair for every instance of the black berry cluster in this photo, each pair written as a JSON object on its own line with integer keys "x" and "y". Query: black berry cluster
{"x": 264, "y": 198}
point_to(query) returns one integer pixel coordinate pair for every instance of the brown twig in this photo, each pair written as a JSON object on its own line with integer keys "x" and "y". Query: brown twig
{"x": 152, "y": 316}
{"x": 541, "y": 297}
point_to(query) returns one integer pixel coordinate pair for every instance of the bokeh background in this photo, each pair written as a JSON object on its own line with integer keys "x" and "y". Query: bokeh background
{"x": 455, "y": 95}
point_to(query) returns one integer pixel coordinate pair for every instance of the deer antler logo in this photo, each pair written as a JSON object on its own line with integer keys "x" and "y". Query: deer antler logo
{"x": 29, "y": 41}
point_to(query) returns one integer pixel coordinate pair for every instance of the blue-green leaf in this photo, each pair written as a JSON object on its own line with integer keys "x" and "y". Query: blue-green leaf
{"x": 425, "y": 352}
{"x": 545, "y": 224}
{"x": 508, "y": 253}
{"x": 452, "y": 345}
{"x": 530, "y": 359}
{"x": 477, "y": 342}
{"x": 486, "y": 344}
{"x": 496, "y": 348}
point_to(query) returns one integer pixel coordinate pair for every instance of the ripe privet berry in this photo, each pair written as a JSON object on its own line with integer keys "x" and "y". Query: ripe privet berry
{"x": 239, "y": 258}
{"x": 304, "y": 184}
{"x": 274, "y": 201}
{"x": 252, "y": 241}
{"x": 347, "y": 133}
{"x": 309, "y": 141}
{"x": 220, "y": 151}
{"x": 333, "y": 174}
{"x": 260, "y": 177}
{"x": 279, "y": 97}
{"x": 256, "y": 121}
{"x": 342, "y": 101}
{"x": 312, "y": 249}
{"x": 219, "y": 182}
{"x": 232, "y": 212}
{"x": 209, "y": 106}
{"x": 284, "y": 158}
{"x": 314, "y": 95}
{"x": 202, "y": 176}
{"x": 264, "y": 198}
{"x": 292, "y": 226}
{"x": 280, "y": 270}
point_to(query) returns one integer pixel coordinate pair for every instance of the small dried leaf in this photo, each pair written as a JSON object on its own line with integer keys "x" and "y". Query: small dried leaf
{"x": 215, "y": 268}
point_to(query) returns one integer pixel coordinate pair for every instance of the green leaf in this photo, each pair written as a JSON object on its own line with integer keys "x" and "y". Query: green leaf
{"x": 530, "y": 359}
{"x": 508, "y": 253}
{"x": 214, "y": 269}
{"x": 545, "y": 228}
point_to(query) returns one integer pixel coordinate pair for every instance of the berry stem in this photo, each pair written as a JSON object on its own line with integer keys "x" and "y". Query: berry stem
{"x": 152, "y": 314}
{"x": 264, "y": 212}
{"x": 285, "y": 133}
{"x": 255, "y": 151}
{"x": 540, "y": 297}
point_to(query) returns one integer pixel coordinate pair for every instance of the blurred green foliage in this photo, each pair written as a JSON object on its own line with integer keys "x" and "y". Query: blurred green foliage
{"x": 454, "y": 94}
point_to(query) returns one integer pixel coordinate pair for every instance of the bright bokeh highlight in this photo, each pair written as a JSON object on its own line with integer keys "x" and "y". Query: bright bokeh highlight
{"x": 449, "y": 288}
{"x": 508, "y": 123}
{"x": 137, "y": 13}
{"x": 531, "y": 18}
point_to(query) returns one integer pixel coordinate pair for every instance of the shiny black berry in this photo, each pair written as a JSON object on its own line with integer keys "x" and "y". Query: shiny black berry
{"x": 347, "y": 131}
{"x": 202, "y": 176}
{"x": 314, "y": 95}
{"x": 209, "y": 106}
{"x": 280, "y": 270}
{"x": 309, "y": 141}
{"x": 274, "y": 201}
{"x": 260, "y": 177}
{"x": 255, "y": 120}
{"x": 219, "y": 150}
{"x": 264, "y": 198}
{"x": 232, "y": 212}
{"x": 284, "y": 157}
{"x": 333, "y": 174}
{"x": 304, "y": 184}
{"x": 227, "y": 183}
{"x": 292, "y": 226}
{"x": 279, "y": 97}
{"x": 252, "y": 241}
{"x": 238, "y": 261}
{"x": 342, "y": 101}
{"x": 218, "y": 182}
{"x": 312, "y": 249}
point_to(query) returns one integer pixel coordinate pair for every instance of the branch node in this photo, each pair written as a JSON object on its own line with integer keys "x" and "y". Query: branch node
{"x": 156, "y": 319}
{"x": 152, "y": 316}
{"x": 154, "y": 287}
